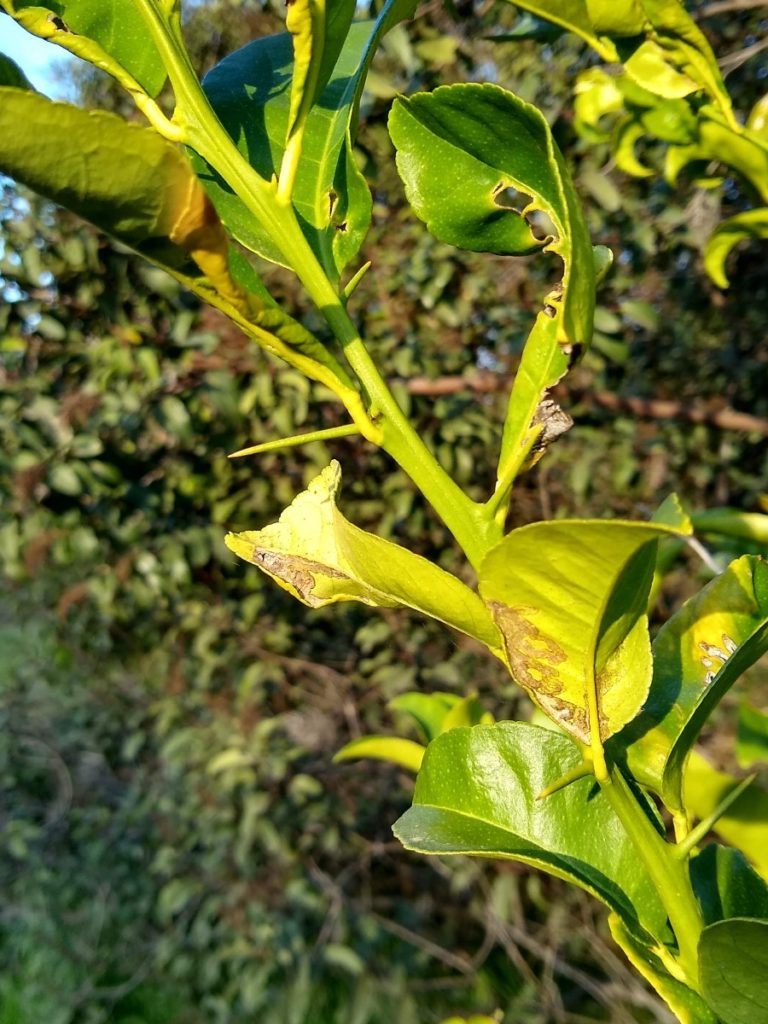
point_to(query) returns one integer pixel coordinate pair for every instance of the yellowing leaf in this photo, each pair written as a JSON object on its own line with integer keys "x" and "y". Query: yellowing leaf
{"x": 406, "y": 753}
{"x": 317, "y": 555}
{"x": 569, "y": 598}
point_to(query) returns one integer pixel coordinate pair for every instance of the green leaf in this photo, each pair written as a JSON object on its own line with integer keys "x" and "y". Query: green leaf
{"x": 732, "y": 522}
{"x": 687, "y": 1005}
{"x": 749, "y": 226}
{"x": 677, "y": 50}
{"x": 405, "y": 753}
{"x": 744, "y": 824}
{"x": 111, "y": 34}
{"x": 318, "y": 36}
{"x": 569, "y": 598}
{"x": 151, "y": 202}
{"x": 480, "y": 166}
{"x": 575, "y": 16}
{"x": 726, "y": 885}
{"x": 733, "y": 966}
{"x": 698, "y": 655}
{"x": 428, "y": 710}
{"x": 476, "y": 794}
{"x": 717, "y": 140}
{"x": 317, "y": 555}
{"x": 12, "y": 75}
{"x": 247, "y": 91}
{"x": 752, "y": 737}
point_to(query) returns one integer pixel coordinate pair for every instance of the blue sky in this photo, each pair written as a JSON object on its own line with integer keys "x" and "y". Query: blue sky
{"x": 38, "y": 60}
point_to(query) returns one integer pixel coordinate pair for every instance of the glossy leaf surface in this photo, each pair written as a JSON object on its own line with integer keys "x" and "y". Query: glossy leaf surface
{"x": 481, "y": 169}
{"x": 116, "y": 26}
{"x": 317, "y": 555}
{"x": 569, "y": 598}
{"x": 249, "y": 92}
{"x": 733, "y": 964}
{"x": 476, "y": 794}
{"x": 698, "y": 655}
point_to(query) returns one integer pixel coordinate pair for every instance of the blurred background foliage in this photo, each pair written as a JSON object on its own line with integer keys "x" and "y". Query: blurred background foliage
{"x": 177, "y": 845}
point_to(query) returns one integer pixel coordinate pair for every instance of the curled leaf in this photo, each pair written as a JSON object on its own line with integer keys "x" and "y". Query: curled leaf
{"x": 319, "y": 557}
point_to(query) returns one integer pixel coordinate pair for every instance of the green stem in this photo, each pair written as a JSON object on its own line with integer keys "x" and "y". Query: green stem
{"x": 469, "y": 522}
{"x": 669, "y": 874}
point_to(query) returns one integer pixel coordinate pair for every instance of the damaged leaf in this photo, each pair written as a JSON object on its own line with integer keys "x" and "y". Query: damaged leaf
{"x": 317, "y": 555}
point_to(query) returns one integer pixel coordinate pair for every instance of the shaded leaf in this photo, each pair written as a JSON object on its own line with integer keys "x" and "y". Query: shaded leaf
{"x": 476, "y": 794}
{"x": 698, "y": 655}
{"x": 317, "y": 555}
{"x": 726, "y": 885}
{"x": 151, "y": 202}
{"x": 749, "y": 226}
{"x": 733, "y": 965}
{"x": 12, "y": 75}
{"x": 569, "y": 598}
{"x": 249, "y": 92}
{"x": 428, "y": 710}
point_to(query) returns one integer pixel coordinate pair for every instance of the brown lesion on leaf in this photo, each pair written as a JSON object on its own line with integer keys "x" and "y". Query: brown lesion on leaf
{"x": 533, "y": 660}
{"x": 297, "y": 572}
{"x": 532, "y": 656}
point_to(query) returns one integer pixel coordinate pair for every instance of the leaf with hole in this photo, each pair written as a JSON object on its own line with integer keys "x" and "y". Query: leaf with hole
{"x": 482, "y": 170}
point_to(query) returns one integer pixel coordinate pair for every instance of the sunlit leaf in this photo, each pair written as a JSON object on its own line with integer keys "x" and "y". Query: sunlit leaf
{"x": 676, "y": 52}
{"x": 405, "y": 753}
{"x": 318, "y": 30}
{"x": 744, "y": 824}
{"x": 481, "y": 169}
{"x": 317, "y": 555}
{"x": 570, "y": 597}
{"x": 687, "y": 1005}
{"x": 109, "y": 33}
{"x": 698, "y": 655}
{"x": 476, "y": 794}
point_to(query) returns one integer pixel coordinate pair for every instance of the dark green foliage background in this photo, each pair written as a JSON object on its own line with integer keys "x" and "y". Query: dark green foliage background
{"x": 177, "y": 846}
